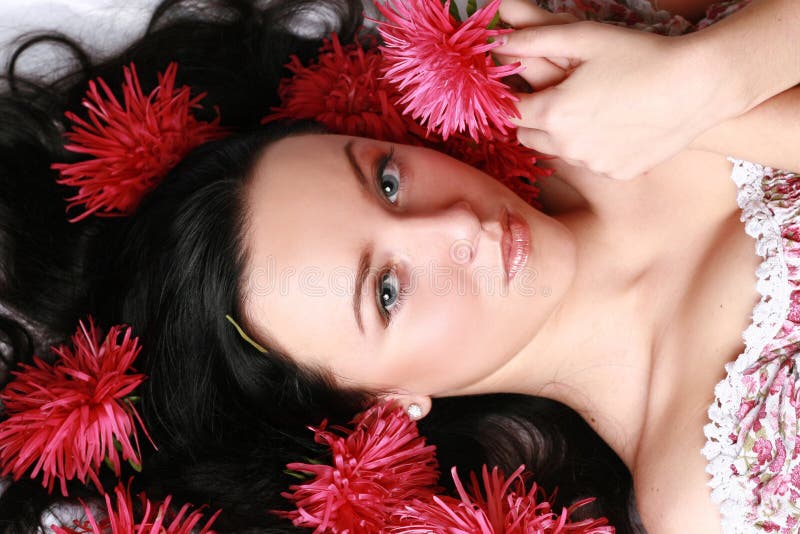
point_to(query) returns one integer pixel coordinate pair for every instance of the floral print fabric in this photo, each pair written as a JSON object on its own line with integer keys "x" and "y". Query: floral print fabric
{"x": 752, "y": 444}
{"x": 640, "y": 14}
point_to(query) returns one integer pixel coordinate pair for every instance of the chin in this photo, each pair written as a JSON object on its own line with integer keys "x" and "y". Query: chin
{"x": 553, "y": 255}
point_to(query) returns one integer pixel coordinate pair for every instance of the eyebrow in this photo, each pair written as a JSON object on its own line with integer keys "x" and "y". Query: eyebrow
{"x": 366, "y": 253}
{"x": 362, "y": 180}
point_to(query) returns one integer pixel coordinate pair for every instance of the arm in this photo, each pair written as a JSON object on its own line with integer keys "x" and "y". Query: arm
{"x": 769, "y": 134}
{"x": 762, "y": 127}
{"x": 755, "y": 49}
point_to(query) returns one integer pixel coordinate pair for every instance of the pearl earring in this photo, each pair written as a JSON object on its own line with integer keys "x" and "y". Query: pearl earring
{"x": 414, "y": 411}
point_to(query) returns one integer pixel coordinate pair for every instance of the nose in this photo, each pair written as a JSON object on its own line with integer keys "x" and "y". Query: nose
{"x": 446, "y": 236}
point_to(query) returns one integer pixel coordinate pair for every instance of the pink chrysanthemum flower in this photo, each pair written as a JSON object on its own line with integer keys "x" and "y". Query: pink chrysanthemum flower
{"x": 376, "y": 466}
{"x": 443, "y": 68}
{"x": 157, "y": 518}
{"x": 343, "y": 90}
{"x": 66, "y": 419}
{"x": 133, "y": 145}
{"x": 504, "y": 507}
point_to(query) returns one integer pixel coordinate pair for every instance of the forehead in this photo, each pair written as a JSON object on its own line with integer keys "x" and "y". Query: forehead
{"x": 304, "y": 237}
{"x": 302, "y": 192}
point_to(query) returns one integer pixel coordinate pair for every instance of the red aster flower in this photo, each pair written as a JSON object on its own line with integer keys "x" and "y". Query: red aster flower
{"x": 379, "y": 464}
{"x": 66, "y": 419}
{"x": 344, "y": 91}
{"x": 504, "y": 507}
{"x": 133, "y": 145}
{"x": 157, "y": 518}
{"x": 502, "y": 157}
{"x": 443, "y": 68}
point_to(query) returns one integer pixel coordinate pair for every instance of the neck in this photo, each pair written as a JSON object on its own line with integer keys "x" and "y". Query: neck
{"x": 594, "y": 351}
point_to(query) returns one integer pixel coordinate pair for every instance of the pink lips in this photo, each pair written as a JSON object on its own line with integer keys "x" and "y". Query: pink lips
{"x": 515, "y": 244}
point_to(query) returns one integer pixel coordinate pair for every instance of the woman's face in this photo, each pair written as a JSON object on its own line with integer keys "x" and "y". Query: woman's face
{"x": 434, "y": 314}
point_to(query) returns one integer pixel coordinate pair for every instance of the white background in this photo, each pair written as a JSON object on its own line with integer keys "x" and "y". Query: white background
{"x": 101, "y": 26}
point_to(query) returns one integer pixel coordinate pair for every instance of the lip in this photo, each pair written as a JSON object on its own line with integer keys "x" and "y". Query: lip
{"x": 515, "y": 244}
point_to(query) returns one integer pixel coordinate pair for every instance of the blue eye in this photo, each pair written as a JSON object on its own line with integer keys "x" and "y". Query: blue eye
{"x": 390, "y": 294}
{"x": 389, "y": 180}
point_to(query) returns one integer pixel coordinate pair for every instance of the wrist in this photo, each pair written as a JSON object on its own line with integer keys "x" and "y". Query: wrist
{"x": 752, "y": 52}
{"x": 716, "y": 72}
{"x": 709, "y": 78}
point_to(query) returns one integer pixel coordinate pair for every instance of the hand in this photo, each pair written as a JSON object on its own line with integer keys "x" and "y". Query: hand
{"x": 624, "y": 100}
{"x": 539, "y": 72}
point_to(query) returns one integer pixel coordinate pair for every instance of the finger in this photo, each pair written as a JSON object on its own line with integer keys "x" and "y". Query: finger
{"x": 562, "y": 63}
{"x": 539, "y": 72}
{"x": 524, "y": 13}
{"x": 538, "y": 140}
{"x": 534, "y": 109}
{"x": 577, "y": 42}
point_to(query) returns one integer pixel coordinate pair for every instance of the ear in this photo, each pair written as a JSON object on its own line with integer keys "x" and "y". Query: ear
{"x": 416, "y": 406}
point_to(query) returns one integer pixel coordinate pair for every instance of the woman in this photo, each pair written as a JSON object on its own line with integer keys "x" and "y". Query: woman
{"x": 603, "y": 260}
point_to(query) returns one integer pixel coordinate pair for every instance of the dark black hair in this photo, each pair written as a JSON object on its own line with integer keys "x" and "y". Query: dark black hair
{"x": 226, "y": 418}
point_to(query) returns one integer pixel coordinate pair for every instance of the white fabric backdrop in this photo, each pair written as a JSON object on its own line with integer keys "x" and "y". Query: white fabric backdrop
{"x": 102, "y": 26}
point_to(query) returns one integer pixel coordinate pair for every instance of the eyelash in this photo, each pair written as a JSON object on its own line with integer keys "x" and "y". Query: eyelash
{"x": 380, "y": 168}
{"x": 402, "y": 291}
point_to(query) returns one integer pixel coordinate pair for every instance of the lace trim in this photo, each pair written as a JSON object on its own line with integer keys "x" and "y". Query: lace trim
{"x": 729, "y": 490}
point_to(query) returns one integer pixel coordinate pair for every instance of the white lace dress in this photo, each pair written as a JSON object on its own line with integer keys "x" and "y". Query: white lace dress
{"x": 752, "y": 447}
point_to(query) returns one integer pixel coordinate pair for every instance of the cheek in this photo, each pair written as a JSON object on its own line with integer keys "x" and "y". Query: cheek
{"x": 447, "y": 346}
